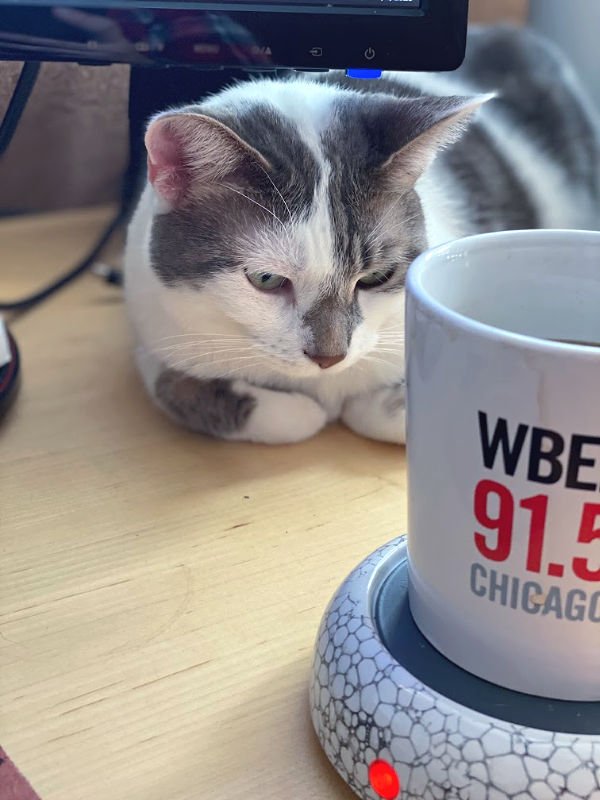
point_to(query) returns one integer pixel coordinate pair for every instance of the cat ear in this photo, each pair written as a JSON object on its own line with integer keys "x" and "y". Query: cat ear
{"x": 190, "y": 152}
{"x": 435, "y": 122}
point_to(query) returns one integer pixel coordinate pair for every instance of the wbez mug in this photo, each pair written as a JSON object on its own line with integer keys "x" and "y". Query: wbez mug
{"x": 503, "y": 414}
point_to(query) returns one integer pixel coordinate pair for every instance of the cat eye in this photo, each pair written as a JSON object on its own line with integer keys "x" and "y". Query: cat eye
{"x": 267, "y": 281}
{"x": 376, "y": 278}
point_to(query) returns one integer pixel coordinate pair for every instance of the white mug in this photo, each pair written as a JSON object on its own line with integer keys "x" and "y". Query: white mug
{"x": 503, "y": 437}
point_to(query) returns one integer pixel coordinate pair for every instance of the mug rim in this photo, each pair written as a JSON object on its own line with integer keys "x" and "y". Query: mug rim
{"x": 416, "y": 289}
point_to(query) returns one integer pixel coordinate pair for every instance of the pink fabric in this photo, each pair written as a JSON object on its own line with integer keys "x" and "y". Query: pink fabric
{"x": 13, "y": 785}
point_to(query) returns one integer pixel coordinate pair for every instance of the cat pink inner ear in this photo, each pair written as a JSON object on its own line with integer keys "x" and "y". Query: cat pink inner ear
{"x": 168, "y": 171}
{"x": 188, "y": 153}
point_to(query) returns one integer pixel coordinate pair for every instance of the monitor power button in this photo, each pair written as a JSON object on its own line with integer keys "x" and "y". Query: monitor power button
{"x": 370, "y": 54}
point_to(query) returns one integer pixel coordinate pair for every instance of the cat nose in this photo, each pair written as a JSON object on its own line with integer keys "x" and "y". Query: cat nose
{"x": 325, "y": 361}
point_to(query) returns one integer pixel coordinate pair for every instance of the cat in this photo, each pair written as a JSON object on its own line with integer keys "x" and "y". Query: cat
{"x": 265, "y": 264}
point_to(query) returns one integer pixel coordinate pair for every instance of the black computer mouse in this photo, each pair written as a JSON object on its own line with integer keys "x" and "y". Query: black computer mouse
{"x": 9, "y": 368}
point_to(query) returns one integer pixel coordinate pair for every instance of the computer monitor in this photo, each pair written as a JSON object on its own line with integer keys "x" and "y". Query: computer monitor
{"x": 297, "y": 34}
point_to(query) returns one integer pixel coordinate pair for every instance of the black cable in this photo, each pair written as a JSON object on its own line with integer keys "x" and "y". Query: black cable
{"x": 37, "y": 297}
{"x": 21, "y": 94}
{"x": 18, "y": 101}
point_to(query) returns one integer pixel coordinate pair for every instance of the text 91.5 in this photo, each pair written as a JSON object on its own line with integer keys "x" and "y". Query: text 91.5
{"x": 500, "y": 521}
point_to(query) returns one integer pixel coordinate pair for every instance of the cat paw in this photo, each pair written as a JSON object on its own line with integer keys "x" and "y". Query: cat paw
{"x": 380, "y": 414}
{"x": 280, "y": 417}
{"x": 237, "y": 411}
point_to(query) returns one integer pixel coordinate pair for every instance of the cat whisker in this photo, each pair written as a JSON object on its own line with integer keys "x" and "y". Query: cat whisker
{"x": 201, "y": 353}
{"x": 374, "y": 354}
{"x": 225, "y": 372}
{"x": 391, "y": 339}
{"x": 373, "y": 234}
{"x": 201, "y": 336}
{"x": 393, "y": 350}
{"x": 215, "y": 348}
{"x": 204, "y": 358}
{"x": 375, "y": 360}
{"x": 231, "y": 372}
{"x": 256, "y": 203}
{"x": 208, "y": 342}
{"x": 287, "y": 208}
{"x": 196, "y": 361}
{"x": 215, "y": 345}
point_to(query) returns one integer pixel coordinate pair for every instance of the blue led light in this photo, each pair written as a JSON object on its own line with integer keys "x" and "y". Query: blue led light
{"x": 364, "y": 74}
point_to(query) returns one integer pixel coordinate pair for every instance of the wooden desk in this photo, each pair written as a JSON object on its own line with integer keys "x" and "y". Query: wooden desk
{"x": 159, "y": 592}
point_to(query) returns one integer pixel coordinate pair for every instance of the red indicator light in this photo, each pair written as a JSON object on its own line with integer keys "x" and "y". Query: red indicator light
{"x": 384, "y": 780}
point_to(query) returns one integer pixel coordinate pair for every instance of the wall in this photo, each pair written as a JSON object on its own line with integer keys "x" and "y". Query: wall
{"x": 576, "y": 28}
{"x": 494, "y": 10}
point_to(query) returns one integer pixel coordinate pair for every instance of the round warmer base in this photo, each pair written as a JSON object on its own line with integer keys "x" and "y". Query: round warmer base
{"x": 398, "y": 720}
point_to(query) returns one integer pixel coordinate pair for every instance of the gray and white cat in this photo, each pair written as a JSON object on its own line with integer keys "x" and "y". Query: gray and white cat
{"x": 266, "y": 261}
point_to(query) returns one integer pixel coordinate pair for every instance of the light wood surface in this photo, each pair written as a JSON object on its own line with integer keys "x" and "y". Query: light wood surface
{"x": 160, "y": 592}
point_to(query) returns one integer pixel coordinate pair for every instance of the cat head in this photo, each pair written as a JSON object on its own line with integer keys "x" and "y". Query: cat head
{"x": 292, "y": 208}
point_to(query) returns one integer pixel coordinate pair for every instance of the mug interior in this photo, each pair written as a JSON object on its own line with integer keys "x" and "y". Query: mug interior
{"x": 541, "y": 284}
